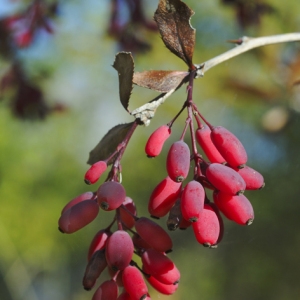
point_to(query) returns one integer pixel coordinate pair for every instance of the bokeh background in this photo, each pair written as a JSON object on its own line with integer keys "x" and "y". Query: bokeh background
{"x": 42, "y": 161}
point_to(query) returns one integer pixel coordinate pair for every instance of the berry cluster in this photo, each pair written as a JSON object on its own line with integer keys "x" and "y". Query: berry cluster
{"x": 224, "y": 172}
{"x": 23, "y": 26}
{"x": 19, "y": 31}
{"x": 127, "y": 19}
{"x": 136, "y": 251}
{"x": 135, "y": 237}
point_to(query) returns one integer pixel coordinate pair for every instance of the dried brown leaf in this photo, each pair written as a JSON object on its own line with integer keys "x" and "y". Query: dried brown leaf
{"x": 109, "y": 143}
{"x": 125, "y": 66}
{"x": 160, "y": 81}
{"x": 173, "y": 20}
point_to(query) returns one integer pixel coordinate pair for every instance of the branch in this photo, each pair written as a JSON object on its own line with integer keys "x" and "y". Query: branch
{"x": 245, "y": 44}
{"x": 146, "y": 112}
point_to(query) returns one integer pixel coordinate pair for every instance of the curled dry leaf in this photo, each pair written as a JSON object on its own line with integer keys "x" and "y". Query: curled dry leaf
{"x": 160, "y": 81}
{"x": 125, "y": 66}
{"x": 109, "y": 143}
{"x": 173, "y": 20}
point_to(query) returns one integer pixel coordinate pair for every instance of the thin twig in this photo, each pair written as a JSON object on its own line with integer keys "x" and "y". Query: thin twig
{"x": 147, "y": 111}
{"x": 245, "y": 44}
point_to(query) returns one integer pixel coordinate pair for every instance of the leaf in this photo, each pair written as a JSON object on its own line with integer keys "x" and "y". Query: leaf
{"x": 173, "y": 20}
{"x": 160, "y": 81}
{"x": 125, "y": 66}
{"x": 109, "y": 143}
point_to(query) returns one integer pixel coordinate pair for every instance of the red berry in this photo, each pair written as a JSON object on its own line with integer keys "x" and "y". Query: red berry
{"x": 178, "y": 161}
{"x": 119, "y": 250}
{"x": 24, "y": 39}
{"x": 81, "y": 197}
{"x": 184, "y": 224}
{"x": 225, "y": 179}
{"x": 78, "y": 216}
{"x": 107, "y": 290}
{"x": 160, "y": 266}
{"x": 229, "y": 146}
{"x": 153, "y": 234}
{"x": 208, "y": 147}
{"x": 94, "y": 268}
{"x": 111, "y": 195}
{"x": 166, "y": 289}
{"x": 156, "y": 140}
{"x": 134, "y": 283}
{"x": 94, "y": 172}
{"x": 127, "y": 218}
{"x": 192, "y": 201}
{"x": 221, "y": 223}
{"x": 207, "y": 227}
{"x": 163, "y": 197}
{"x": 139, "y": 243}
{"x": 98, "y": 242}
{"x": 254, "y": 180}
{"x": 235, "y": 208}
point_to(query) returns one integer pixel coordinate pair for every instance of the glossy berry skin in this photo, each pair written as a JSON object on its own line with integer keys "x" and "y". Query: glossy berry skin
{"x": 225, "y": 179}
{"x": 134, "y": 283}
{"x": 160, "y": 266}
{"x": 166, "y": 289}
{"x": 207, "y": 227}
{"x": 81, "y": 197}
{"x": 94, "y": 172}
{"x": 156, "y": 140}
{"x": 153, "y": 234}
{"x": 204, "y": 140}
{"x": 235, "y": 208}
{"x": 221, "y": 222}
{"x": 94, "y": 268}
{"x": 78, "y": 216}
{"x": 163, "y": 197}
{"x": 229, "y": 146}
{"x": 192, "y": 201}
{"x": 111, "y": 195}
{"x": 178, "y": 161}
{"x": 98, "y": 242}
{"x": 254, "y": 180}
{"x": 126, "y": 218}
{"x": 184, "y": 224}
{"x": 107, "y": 290}
{"x": 119, "y": 250}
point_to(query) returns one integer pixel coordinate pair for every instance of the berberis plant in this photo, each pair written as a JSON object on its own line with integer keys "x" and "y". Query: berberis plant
{"x": 135, "y": 250}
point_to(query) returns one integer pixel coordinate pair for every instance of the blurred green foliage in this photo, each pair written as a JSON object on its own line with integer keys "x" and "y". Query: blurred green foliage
{"x": 42, "y": 163}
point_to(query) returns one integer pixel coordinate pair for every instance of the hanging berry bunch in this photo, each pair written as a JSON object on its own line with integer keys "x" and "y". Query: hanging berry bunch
{"x": 134, "y": 237}
{"x": 16, "y": 32}
{"x": 22, "y": 27}
{"x": 28, "y": 100}
{"x": 135, "y": 250}
{"x": 249, "y": 13}
{"x": 127, "y": 29}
